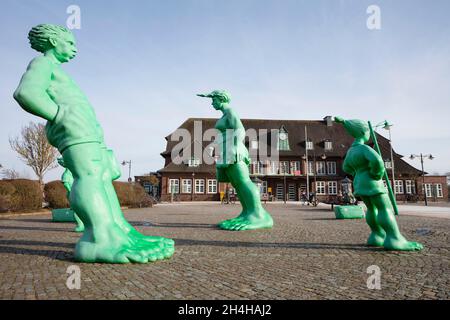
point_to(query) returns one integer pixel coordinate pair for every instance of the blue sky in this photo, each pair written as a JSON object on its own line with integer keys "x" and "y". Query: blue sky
{"x": 141, "y": 63}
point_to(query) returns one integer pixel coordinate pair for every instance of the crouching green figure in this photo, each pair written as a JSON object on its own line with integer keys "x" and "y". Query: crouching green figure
{"x": 67, "y": 180}
{"x": 367, "y": 168}
{"x": 46, "y": 91}
{"x": 232, "y": 166}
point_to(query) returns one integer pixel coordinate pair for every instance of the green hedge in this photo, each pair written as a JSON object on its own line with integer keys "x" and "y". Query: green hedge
{"x": 20, "y": 195}
{"x": 129, "y": 194}
{"x": 132, "y": 195}
{"x": 55, "y": 195}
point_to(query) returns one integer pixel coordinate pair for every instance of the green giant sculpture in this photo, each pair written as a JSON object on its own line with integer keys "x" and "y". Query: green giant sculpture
{"x": 367, "y": 168}
{"x": 46, "y": 91}
{"x": 232, "y": 167}
{"x": 67, "y": 180}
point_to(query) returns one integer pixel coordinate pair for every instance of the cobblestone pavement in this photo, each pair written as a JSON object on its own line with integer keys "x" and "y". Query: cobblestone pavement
{"x": 308, "y": 255}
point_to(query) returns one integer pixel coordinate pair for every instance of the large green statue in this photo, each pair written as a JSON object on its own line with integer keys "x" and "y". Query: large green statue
{"x": 367, "y": 168}
{"x": 46, "y": 91}
{"x": 232, "y": 166}
{"x": 67, "y": 180}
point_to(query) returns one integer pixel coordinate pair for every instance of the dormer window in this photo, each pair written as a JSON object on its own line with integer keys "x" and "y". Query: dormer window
{"x": 309, "y": 145}
{"x": 193, "y": 162}
{"x": 328, "y": 145}
{"x": 283, "y": 139}
{"x": 388, "y": 164}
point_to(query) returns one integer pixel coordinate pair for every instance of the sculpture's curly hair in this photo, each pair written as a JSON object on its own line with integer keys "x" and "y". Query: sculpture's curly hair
{"x": 39, "y": 36}
{"x": 222, "y": 94}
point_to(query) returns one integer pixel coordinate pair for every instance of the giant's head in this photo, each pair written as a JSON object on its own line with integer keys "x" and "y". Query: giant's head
{"x": 356, "y": 128}
{"x": 219, "y": 97}
{"x": 59, "y": 40}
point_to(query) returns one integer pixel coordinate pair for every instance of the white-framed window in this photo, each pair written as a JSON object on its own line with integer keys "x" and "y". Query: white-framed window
{"x": 295, "y": 167}
{"x": 428, "y": 189}
{"x": 199, "y": 185}
{"x": 410, "y": 187}
{"x": 193, "y": 162}
{"x": 174, "y": 186}
{"x": 328, "y": 145}
{"x": 254, "y": 144}
{"x": 212, "y": 186}
{"x": 439, "y": 192}
{"x": 320, "y": 167}
{"x": 399, "y": 187}
{"x": 388, "y": 164}
{"x": 332, "y": 187}
{"x": 263, "y": 187}
{"x": 186, "y": 186}
{"x": 385, "y": 184}
{"x": 320, "y": 187}
{"x": 309, "y": 145}
{"x": 284, "y": 167}
{"x": 331, "y": 167}
{"x": 273, "y": 167}
{"x": 311, "y": 168}
{"x": 256, "y": 167}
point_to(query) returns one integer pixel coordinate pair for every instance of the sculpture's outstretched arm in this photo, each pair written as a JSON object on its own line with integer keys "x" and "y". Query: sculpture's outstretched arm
{"x": 31, "y": 93}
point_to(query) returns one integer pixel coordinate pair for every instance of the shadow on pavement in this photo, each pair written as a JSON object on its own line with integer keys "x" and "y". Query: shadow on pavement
{"x": 184, "y": 225}
{"x": 46, "y": 220}
{"x": 35, "y": 228}
{"x": 188, "y": 242}
{"x": 54, "y": 254}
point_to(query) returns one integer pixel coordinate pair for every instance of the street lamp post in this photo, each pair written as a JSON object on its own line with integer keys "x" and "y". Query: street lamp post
{"x": 129, "y": 168}
{"x": 192, "y": 186}
{"x": 421, "y": 156}
{"x": 307, "y": 162}
{"x": 387, "y": 126}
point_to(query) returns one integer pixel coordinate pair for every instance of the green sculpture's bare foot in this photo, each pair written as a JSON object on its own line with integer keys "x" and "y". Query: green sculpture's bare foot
{"x": 248, "y": 221}
{"x": 401, "y": 244}
{"x": 114, "y": 246}
{"x": 376, "y": 240}
{"x": 80, "y": 224}
{"x": 79, "y": 228}
{"x": 226, "y": 223}
{"x": 137, "y": 236}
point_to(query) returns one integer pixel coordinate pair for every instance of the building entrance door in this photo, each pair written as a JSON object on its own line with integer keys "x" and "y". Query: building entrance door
{"x": 280, "y": 192}
{"x": 291, "y": 193}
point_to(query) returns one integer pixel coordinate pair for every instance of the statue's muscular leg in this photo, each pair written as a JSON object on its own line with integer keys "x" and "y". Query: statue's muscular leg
{"x": 255, "y": 217}
{"x": 113, "y": 173}
{"x": 377, "y": 234}
{"x": 103, "y": 240}
{"x": 226, "y": 224}
{"x": 394, "y": 239}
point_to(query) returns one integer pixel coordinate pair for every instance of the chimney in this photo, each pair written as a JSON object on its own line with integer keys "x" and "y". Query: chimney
{"x": 328, "y": 120}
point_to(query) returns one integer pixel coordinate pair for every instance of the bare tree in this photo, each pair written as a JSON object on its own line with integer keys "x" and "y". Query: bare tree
{"x": 10, "y": 174}
{"x": 34, "y": 149}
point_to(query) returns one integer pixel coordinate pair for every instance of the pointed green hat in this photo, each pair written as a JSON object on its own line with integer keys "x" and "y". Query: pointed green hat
{"x": 355, "y": 127}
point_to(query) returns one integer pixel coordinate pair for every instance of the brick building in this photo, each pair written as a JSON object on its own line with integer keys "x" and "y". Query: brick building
{"x": 285, "y": 178}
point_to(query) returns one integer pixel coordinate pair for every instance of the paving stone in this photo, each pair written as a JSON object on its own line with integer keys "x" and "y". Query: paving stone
{"x": 307, "y": 255}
